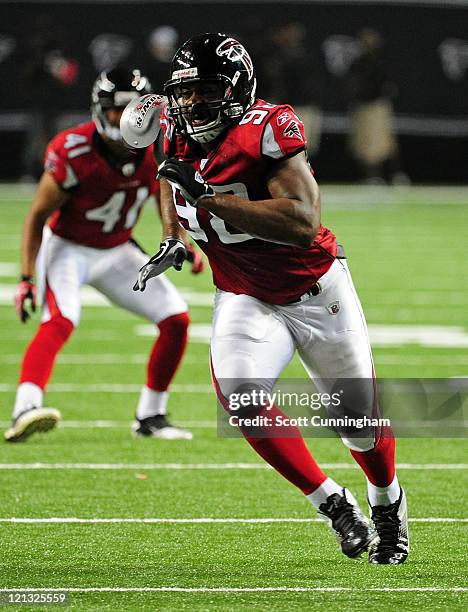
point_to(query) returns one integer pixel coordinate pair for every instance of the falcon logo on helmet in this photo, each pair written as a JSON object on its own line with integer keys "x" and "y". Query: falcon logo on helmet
{"x": 235, "y": 52}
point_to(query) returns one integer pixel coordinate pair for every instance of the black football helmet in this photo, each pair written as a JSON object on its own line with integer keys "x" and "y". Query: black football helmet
{"x": 219, "y": 68}
{"x": 114, "y": 89}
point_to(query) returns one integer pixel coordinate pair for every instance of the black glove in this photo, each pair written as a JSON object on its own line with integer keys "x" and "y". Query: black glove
{"x": 186, "y": 179}
{"x": 171, "y": 254}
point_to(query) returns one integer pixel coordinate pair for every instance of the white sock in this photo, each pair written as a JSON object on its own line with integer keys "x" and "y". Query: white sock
{"x": 151, "y": 403}
{"x": 383, "y": 496}
{"x": 27, "y": 394}
{"x": 321, "y": 493}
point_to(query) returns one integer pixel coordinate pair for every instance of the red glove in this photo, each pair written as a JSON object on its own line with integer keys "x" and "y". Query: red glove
{"x": 195, "y": 258}
{"x": 26, "y": 290}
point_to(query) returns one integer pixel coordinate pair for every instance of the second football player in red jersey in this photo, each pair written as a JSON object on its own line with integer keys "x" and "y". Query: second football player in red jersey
{"x": 93, "y": 189}
{"x": 237, "y": 179}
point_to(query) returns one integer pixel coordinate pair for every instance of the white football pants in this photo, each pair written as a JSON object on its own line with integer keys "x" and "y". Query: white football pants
{"x": 66, "y": 266}
{"x": 255, "y": 340}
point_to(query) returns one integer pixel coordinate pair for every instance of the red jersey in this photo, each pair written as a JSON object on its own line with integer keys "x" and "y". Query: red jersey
{"x": 240, "y": 164}
{"x": 105, "y": 201}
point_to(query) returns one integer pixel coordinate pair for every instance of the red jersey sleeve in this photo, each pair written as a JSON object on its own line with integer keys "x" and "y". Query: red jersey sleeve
{"x": 283, "y": 135}
{"x": 56, "y": 163}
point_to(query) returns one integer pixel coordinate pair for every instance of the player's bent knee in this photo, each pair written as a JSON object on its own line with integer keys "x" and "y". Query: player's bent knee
{"x": 361, "y": 445}
{"x": 243, "y": 397}
{"x": 60, "y": 326}
{"x": 176, "y": 326}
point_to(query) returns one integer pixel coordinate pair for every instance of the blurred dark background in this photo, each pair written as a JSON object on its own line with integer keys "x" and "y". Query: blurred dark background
{"x": 310, "y": 54}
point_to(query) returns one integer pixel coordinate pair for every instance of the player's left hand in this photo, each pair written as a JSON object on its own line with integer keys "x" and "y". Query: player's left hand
{"x": 25, "y": 291}
{"x": 186, "y": 179}
{"x": 194, "y": 257}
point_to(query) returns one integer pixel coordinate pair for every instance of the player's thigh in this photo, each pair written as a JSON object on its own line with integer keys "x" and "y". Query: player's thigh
{"x": 338, "y": 345}
{"x": 338, "y": 356}
{"x": 116, "y": 276}
{"x": 250, "y": 343}
{"x": 62, "y": 271}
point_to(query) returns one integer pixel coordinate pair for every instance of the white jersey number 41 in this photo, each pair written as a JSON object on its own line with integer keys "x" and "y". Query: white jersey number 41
{"x": 110, "y": 212}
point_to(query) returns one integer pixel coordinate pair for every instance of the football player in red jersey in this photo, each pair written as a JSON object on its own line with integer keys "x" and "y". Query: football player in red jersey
{"x": 92, "y": 191}
{"x": 237, "y": 179}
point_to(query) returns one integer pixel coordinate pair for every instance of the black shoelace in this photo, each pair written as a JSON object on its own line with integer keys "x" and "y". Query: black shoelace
{"x": 341, "y": 513}
{"x": 387, "y": 524}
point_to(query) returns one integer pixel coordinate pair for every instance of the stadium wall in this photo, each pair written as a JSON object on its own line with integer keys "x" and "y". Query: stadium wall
{"x": 426, "y": 44}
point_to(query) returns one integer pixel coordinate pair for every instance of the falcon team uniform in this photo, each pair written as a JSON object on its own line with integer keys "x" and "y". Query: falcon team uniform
{"x": 88, "y": 241}
{"x": 272, "y": 299}
{"x": 89, "y": 238}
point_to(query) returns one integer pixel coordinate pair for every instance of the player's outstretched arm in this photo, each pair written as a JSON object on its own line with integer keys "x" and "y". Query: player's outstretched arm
{"x": 172, "y": 252}
{"x": 48, "y": 197}
{"x": 291, "y": 216}
{"x": 171, "y": 227}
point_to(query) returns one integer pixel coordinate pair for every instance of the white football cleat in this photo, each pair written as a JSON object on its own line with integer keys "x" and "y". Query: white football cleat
{"x": 159, "y": 427}
{"x": 31, "y": 421}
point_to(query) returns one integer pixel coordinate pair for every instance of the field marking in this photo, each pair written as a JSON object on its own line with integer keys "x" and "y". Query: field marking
{"x": 202, "y": 424}
{"x": 380, "y": 335}
{"x": 427, "y": 336}
{"x": 209, "y": 466}
{"x": 92, "y": 297}
{"x": 445, "y": 336}
{"x": 264, "y": 589}
{"x": 104, "y": 359}
{"x": 416, "y": 360}
{"x": 195, "y": 521}
{"x": 109, "y": 424}
{"x": 106, "y": 388}
{"x": 142, "y": 358}
{"x": 95, "y": 359}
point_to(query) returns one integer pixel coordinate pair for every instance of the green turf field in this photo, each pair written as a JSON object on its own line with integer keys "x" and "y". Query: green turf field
{"x": 174, "y": 543}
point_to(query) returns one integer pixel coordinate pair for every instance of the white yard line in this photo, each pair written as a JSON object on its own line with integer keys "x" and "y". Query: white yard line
{"x": 427, "y": 336}
{"x": 263, "y": 589}
{"x": 416, "y": 360}
{"x": 105, "y": 359}
{"x": 120, "y": 359}
{"x": 108, "y": 424}
{"x": 209, "y": 466}
{"x": 96, "y": 359}
{"x": 105, "y": 388}
{"x": 195, "y": 521}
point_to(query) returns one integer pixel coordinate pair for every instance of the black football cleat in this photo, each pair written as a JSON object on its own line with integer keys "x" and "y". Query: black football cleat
{"x": 30, "y": 421}
{"x": 391, "y": 524}
{"x": 159, "y": 427}
{"x": 353, "y": 531}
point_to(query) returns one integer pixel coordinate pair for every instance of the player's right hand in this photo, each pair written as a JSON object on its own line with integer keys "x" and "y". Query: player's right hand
{"x": 25, "y": 291}
{"x": 172, "y": 254}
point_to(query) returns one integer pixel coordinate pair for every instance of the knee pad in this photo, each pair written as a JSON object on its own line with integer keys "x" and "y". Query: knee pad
{"x": 361, "y": 445}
